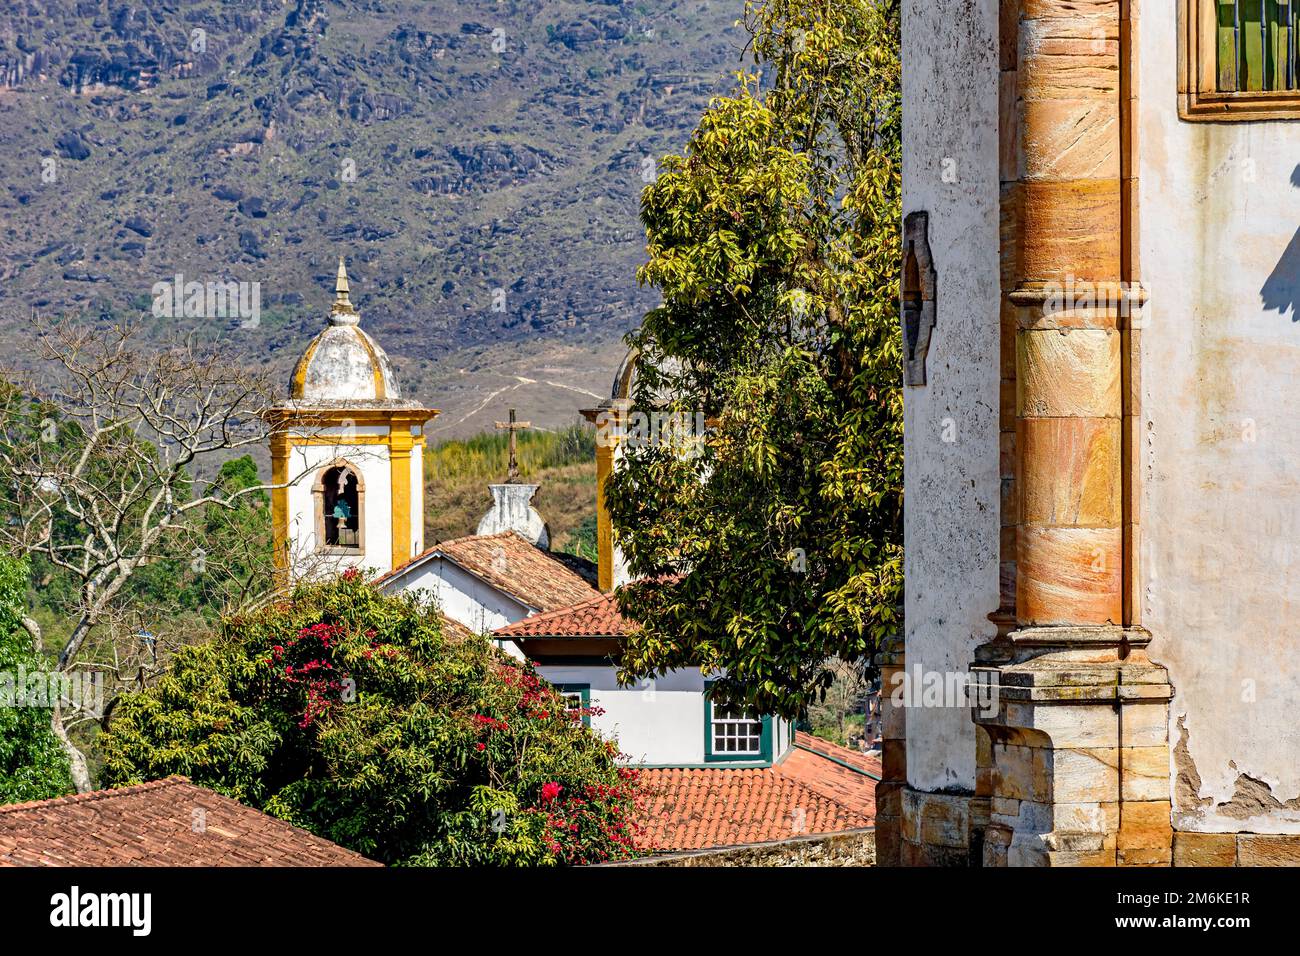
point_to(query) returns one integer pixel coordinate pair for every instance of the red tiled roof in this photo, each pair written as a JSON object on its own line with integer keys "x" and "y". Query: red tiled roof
{"x": 170, "y": 822}
{"x": 867, "y": 763}
{"x": 852, "y": 786}
{"x": 454, "y": 630}
{"x": 519, "y": 568}
{"x": 697, "y": 809}
{"x": 810, "y": 792}
{"x": 597, "y": 617}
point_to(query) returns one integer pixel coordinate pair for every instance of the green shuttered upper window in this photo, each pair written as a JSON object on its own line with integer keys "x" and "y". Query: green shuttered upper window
{"x": 1239, "y": 59}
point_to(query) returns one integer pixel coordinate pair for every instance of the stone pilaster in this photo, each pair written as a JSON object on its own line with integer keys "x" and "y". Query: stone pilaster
{"x": 893, "y": 757}
{"x": 1073, "y": 759}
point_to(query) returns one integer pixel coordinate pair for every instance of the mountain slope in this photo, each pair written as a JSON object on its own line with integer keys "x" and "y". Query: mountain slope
{"x": 478, "y": 162}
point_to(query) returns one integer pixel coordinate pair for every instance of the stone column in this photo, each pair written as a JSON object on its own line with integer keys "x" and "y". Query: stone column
{"x": 893, "y": 756}
{"x": 1076, "y": 762}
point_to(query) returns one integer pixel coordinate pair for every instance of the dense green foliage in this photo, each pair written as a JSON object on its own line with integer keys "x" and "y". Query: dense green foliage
{"x": 220, "y": 559}
{"x": 32, "y": 764}
{"x": 777, "y": 543}
{"x": 485, "y": 456}
{"x": 349, "y": 714}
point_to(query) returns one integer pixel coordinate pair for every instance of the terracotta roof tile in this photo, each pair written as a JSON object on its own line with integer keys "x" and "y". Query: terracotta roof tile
{"x": 868, "y": 763}
{"x": 454, "y": 630}
{"x": 697, "y": 809}
{"x": 505, "y": 560}
{"x": 852, "y": 786}
{"x": 170, "y": 822}
{"x": 597, "y": 617}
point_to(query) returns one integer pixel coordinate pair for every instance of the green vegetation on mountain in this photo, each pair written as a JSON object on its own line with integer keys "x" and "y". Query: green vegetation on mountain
{"x": 457, "y": 473}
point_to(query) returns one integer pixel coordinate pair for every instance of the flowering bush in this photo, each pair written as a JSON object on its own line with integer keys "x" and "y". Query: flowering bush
{"x": 348, "y": 713}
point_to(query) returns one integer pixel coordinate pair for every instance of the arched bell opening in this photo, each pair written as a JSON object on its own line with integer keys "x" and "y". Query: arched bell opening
{"x": 340, "y": 496}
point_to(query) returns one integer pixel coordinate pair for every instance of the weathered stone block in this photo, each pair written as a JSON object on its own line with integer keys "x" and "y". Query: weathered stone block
{"x": 1144, "y": 856}
{"x": 1085, "y": 775}
{"x": 1205, "y": 849}
{"x": 1268, "y": 849}
{"x": 888, "y": 844}
{"x": 1074, "y": 373}
{"x": 1071, "y": 474}
{"x": 1069, "y": 575}
{"x": 1146, "y": 773}
{"x": 1066, "y": 725}
{"x": 1146, "y": 725}
{"x": 1145, "y": 824}
{"x": 893, "y": 759}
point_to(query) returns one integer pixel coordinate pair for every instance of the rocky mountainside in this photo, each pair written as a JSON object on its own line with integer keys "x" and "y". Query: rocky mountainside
{"x": 478, "y": 162}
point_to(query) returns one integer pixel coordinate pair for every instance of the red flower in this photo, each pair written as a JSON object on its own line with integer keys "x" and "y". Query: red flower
{"x": 480, "y": 746}
{"x": 550, "y": 791}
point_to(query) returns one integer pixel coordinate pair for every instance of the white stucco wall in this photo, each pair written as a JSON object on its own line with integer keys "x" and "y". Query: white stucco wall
{"x": 659, "y": 722}
{"x": 950, "y": 169}
{"x": 462, "y": 597}
{"x": 1220, "y": 256}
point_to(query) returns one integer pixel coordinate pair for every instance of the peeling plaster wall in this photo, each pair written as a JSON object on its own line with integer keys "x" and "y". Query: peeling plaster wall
{"x": 950, "y": 168}
{"x": 1220, "y": 255}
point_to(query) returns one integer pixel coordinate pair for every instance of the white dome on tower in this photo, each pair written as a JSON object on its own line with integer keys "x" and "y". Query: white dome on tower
{"x": 343, "y": 363}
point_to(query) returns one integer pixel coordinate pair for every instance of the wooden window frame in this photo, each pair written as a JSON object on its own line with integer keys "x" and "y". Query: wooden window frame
{"x": 762, "y": 756}
{"x": 1199, "y": 98}
{"x": 583, "y": 693}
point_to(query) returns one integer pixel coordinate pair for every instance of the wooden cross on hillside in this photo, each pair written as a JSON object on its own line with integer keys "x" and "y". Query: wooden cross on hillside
{"x": 513, "y": 427}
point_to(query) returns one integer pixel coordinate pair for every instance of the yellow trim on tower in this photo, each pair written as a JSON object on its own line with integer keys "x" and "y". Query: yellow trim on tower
{"x": 280, "y": 450}
{"x": 299, "y": 385}
{"x": 400, "y": 442}
{"x": 604, "y": 527}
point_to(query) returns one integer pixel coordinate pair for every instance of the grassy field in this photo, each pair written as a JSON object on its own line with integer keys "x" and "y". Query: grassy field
{"x": 458, "y": 471}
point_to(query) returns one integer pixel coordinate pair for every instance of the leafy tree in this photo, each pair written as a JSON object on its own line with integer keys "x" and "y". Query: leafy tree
{"x": 32, "y": 764}
{"x": 348, "y": 713}
{"x": 107, "y": 485}
{"x": 775, "y": 545}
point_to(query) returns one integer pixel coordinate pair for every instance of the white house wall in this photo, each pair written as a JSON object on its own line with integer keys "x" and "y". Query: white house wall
{"x": 461, "y": 596}
{"x": 659, "y": 722}
{"x": 952, "y": 487}
{"x": 1220, "y": 256}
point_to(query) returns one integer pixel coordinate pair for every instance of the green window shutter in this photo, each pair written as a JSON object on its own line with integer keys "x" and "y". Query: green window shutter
{"x": 580, "y": 691}
{"x": 1255, "y": 40}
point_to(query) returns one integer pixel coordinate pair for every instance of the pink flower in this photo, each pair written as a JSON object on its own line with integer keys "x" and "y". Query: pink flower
{"x": 550, "y": 791}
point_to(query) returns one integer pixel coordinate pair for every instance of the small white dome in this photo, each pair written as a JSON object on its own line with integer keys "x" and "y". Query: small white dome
{"x": 343, "y": 363}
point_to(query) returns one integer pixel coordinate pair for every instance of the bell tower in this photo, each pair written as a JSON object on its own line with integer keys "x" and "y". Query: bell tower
{"x": 347, "y": 460}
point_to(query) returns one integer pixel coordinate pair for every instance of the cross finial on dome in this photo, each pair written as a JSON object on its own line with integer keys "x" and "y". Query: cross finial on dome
{"x": 342, "y": 304}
